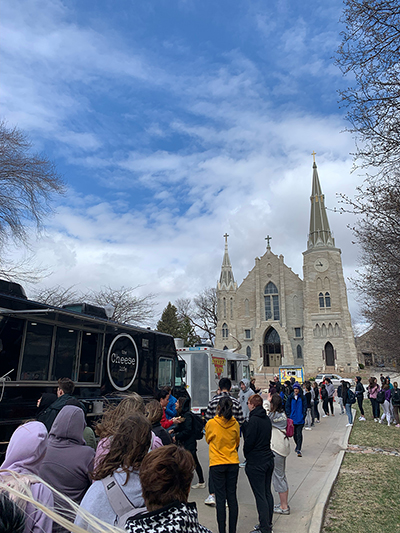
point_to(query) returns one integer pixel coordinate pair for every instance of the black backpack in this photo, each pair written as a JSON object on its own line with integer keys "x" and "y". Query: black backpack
{"x": 380, "y": 397}
{"x": 396, "y": 396}
{"x": 198, "y": 426}
{"x": 351, "y": 397}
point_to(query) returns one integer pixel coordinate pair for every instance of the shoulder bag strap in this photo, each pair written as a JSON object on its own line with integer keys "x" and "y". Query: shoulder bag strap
{"x": 116, "y": 496}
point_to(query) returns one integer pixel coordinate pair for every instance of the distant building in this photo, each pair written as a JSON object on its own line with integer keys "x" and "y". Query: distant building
{"x": 279, "y": 318}
{"x": 369, "y": 352}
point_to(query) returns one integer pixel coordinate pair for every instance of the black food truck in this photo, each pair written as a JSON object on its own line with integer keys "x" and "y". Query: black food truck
{"x": 40, "y": 344}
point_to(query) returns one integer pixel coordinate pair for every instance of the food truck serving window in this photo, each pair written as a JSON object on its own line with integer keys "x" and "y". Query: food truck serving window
{"x": 64, "y": 353}
{"x": 36, "y": 358}
{"x": 164, "y": 372}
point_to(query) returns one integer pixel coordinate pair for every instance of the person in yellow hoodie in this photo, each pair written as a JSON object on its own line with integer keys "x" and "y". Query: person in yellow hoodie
{"x": 223, "y": 438}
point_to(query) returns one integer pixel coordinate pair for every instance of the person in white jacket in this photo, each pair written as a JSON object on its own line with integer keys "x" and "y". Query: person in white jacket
{"x": 280, "y": 445}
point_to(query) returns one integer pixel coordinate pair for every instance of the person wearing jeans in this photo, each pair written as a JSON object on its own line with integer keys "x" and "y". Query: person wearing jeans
{"x": 296, "y": 408}
{"x": 347, "y": 405}
{"x": 223, "y": 438}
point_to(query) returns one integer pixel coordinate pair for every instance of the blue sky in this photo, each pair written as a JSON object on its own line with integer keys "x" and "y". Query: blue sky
{"x": 172, "y": 123}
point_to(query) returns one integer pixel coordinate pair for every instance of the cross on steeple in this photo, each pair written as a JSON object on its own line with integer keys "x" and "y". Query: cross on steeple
{"x": 268, "y": 238}
{"x": 226, "y": 238}
{"x": 314, "y": 154}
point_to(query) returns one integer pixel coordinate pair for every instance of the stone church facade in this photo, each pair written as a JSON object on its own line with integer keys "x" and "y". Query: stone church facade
{"x": 277, "y": 318}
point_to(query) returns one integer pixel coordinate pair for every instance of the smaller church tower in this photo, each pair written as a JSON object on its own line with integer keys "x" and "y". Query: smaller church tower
{"x": 226, "y": 293}
{"x": 328, "y": 335}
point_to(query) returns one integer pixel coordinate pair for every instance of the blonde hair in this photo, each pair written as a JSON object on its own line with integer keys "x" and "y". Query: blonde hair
{"x": 115, "y": 414}
{"x": 17, "y": 488}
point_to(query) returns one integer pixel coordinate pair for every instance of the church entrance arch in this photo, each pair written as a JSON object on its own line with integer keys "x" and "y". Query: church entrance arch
{"x": 272, "y": 348}
{"x": 329, "y": 355}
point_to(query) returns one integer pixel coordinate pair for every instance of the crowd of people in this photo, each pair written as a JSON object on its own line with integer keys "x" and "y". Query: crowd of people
{"x": 56, "y": 478}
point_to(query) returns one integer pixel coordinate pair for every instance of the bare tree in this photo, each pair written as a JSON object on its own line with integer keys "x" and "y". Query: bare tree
{"x": 202, "y": 312}
{"x": 57, "y": 295}
{"x": 370, "y": 52}
{"x": 378, "y": 232}
{"x": 27, "y": 184}
{"x": 128, "y": 308}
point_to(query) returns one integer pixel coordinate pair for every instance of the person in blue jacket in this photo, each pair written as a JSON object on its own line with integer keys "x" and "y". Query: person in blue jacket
{"x": 296, "y": 408}
{"x": 170, "y": 410}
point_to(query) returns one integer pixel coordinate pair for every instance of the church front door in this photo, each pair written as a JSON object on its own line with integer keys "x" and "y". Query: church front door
{"x": 272, "y": 348}
{"x": 329, "y": 355}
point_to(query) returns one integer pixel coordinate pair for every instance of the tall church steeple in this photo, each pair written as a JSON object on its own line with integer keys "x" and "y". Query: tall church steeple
{"x": 226, "y": 280}
{"x": 320, "y": 233}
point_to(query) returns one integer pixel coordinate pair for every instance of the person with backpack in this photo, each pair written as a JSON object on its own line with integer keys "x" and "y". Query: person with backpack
{"x": 185, "y": 435}
{"x": 223, "y": 438}
{"x": 280, "y": 446}
{"x": 386, "y": 404}
{"x": 373, "y": 389}
{"x": 360, "y": 397}
{"x": 296, "y": 408}
{"x": 116, "y": 477}
{"x": 348, "y": 400}
{"x": 396, "y": 403}
{"x": 310, "y": 406}
{"x": 65, "y": 390}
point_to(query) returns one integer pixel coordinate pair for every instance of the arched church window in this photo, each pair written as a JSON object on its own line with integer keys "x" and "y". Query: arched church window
{"x": 248, "y": 352}
{"x": 225, "y": 331}
{"x": 299, "y": 352}
{"x": 224, "y": 304}
{"x": 271, "y": 301}
{"x": 321, "y": 300}
{"x": 231, "y": 307}
{"x": 327, "y": 299}
{"x": 246, "y": 307}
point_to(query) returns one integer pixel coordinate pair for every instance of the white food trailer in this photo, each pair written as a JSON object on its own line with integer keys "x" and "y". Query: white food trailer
{"x": 205, "y": 366}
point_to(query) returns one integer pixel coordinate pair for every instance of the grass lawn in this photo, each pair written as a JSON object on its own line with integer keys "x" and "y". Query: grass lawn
{"x": 366, "y": 495}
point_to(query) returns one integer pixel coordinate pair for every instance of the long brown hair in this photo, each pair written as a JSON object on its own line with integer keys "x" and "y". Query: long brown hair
{"x": 115, "y": 414}
{"x": 128, "y": 447}
{"x": 276, "y": 404}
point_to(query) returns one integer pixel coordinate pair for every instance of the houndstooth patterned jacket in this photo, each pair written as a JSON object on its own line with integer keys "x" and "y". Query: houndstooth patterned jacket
{"x": 173, "y": 518}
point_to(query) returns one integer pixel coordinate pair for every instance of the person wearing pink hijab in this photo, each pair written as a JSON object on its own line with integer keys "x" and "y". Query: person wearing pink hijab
{"x": 25, "y": 453}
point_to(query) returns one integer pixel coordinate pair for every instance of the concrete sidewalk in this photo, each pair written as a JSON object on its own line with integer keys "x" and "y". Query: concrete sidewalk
{"x": 310, "y": 481}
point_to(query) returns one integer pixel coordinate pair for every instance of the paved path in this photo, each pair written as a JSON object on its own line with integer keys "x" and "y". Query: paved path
{"x": 310, "y": 479}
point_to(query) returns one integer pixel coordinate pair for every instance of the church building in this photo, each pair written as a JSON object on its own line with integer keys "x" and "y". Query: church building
{"x": 277, "y": 318}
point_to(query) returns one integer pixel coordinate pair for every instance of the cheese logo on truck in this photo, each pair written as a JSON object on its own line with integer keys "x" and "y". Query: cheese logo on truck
{"x": 122, "y": 362}
{"x": 218, "y": 363}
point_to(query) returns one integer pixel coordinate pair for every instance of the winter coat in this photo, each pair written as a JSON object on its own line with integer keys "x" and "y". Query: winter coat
{"x": 223, "y": 438}
{"x": 296, "y": 409}
{"x": 184, "y": 431}
{"x": 244, "y": 396}
{"x": 257, "y": 437}
{"x": 68, "y": 461}
{"x": 177, "y": 517}
{"x": 49, "y": 415}
{"x": 280, "y": 444}
{"x": 24, "y": 455}
{"x": 359, "y": 389}
{"x": 96, "y": 500}
{"x": 170, "y": 410}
